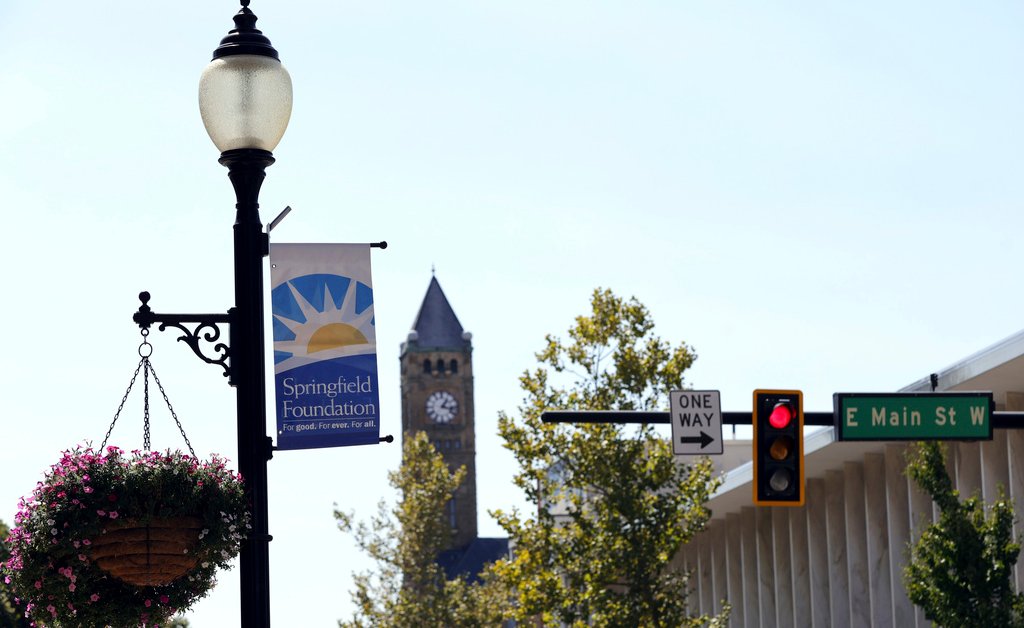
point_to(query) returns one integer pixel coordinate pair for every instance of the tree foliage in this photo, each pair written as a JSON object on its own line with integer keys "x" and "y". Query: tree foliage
{"x": 613, "y": 506}
{"x": 409, "y": 588}
{"x": 961, "y": 568}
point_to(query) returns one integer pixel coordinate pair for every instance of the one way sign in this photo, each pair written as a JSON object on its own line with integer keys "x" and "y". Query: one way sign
{"x": 696, "y": 417}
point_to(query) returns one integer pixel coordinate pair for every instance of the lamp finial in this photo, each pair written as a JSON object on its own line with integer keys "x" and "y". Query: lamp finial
{"x": 245, "y": 38}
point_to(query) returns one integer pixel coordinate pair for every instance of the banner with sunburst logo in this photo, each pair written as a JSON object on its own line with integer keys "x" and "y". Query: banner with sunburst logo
{"x": 325, "y": 346}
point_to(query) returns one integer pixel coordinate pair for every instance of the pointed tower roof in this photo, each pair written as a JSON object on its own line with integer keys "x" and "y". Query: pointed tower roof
{"x": 436, "y": 326}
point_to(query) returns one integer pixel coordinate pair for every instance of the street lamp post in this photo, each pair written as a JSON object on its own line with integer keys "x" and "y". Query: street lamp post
{"x": 245, "y": 98}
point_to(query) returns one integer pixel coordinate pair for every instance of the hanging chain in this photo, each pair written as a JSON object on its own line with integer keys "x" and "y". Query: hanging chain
{"x": 146, "y": 350}
{"x": 171, "y": 408}
{"x": 123, "y": 400}
{"x": 145, "y": 404}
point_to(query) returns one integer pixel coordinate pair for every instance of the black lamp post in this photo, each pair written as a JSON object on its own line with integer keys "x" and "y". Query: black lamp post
{"x": 245, "y": 98}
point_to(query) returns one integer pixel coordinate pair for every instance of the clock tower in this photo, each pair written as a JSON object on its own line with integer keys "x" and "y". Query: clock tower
{"x": 437, "y": 398}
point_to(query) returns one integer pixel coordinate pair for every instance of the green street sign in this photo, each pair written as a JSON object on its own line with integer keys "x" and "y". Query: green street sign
{"x": 913, "y": 416}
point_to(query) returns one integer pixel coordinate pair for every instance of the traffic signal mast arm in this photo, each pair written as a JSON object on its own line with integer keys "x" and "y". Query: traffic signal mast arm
{"x": 613, "y": 416}
{"x": 1000, "y": 419}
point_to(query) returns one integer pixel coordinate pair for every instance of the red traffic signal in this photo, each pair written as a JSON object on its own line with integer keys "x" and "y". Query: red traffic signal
{"x": 778, "y": 421}
{"x": 781, "y": 415}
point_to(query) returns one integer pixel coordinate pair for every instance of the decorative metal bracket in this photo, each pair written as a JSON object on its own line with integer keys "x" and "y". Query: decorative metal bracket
{"x": 205, "y": 331}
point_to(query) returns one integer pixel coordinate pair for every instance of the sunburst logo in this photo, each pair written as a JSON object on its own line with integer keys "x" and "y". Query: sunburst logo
{"x": 319, "y": 317}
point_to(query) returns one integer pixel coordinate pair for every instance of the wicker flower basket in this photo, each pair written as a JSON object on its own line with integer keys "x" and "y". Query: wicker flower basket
{"x": 113, "y": 540}
{"x": 154, "y": 553}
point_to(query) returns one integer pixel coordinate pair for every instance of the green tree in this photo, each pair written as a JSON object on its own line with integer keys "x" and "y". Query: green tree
{"x": 10, "y": 616}
{"x": 613, "y": 506}
{"x": 409, "y": 588}
{"x": 961, "y": 568}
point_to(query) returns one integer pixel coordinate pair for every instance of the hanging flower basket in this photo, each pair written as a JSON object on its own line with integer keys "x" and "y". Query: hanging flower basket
{"x": 151, "y": 553}
{"x": 124, "y": 540}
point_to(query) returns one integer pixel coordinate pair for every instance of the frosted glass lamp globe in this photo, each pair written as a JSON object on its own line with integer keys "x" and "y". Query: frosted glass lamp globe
{"x": 245, "y": 101}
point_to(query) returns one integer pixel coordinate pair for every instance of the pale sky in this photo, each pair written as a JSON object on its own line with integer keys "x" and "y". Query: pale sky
{"x": 822, "y": 196}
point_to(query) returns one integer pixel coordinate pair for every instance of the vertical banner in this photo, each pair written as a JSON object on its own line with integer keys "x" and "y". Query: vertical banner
{"x": 325, "y": 346}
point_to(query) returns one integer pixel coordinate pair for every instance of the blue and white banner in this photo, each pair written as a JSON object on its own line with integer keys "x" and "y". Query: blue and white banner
{"x": 325, "y": 346}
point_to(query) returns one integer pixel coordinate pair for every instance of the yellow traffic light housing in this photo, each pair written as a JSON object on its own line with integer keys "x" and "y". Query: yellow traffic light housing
{"x": 778, "y": 420}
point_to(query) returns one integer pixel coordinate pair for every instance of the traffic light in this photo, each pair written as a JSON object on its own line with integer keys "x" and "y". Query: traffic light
{"x": 778, "y": 420}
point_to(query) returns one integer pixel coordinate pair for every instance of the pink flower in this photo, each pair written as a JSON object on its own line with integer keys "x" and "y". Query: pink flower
{"x": 94, "y": 598}
{"x": 102, "y": 513}
{"x": 148, "y": 603}
{"x": 164, "y": 599}
{"x": 86, "y": 542}
{"x": 39, "y": 585}
{"x": 113, "y": 514}
{"x": 72, "y": 587}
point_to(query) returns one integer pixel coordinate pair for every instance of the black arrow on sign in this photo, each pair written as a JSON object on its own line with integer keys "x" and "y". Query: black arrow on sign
{"x": 703, "y": 439}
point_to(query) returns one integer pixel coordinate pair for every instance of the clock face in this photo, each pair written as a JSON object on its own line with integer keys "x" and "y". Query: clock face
{"x": 441, "y": 407}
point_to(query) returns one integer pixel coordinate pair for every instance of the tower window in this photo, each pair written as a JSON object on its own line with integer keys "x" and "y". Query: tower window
{"x": 440, "y": 365}
{"x": 453, "y": 366}
{"x": 426, "y": 366}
